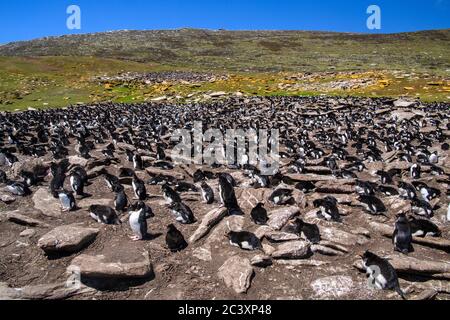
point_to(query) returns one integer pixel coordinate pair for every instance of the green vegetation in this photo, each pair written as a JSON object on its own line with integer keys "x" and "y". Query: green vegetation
{"x": 58, "y": 71}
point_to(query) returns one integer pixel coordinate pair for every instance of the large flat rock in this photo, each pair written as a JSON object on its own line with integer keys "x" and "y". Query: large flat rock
{"x": 70, "y": 238}
{"x": 120, "y": 265}
{"x": 293, "y": 250}
{"x": 237, "y": 273}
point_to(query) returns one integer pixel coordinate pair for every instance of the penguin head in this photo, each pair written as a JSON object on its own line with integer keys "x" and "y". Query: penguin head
{"x": 171, "y": 228}
{"x": 401, "y": 216}
{"x": 367, "y": 256}
{"x": 118, "y": 188}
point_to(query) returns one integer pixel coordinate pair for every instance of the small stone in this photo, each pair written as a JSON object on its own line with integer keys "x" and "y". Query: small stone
{"x": 27, "y": 233}
{"x": 261, "y": 261}
{"x": 6, "y": 198}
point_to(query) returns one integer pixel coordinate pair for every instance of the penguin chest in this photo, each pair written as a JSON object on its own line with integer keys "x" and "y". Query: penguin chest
{"x": 95, "y": 217}
{"x": 135, "y": 224}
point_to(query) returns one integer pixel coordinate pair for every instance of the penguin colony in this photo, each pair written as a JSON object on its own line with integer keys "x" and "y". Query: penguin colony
{"x": 368, "y": 146}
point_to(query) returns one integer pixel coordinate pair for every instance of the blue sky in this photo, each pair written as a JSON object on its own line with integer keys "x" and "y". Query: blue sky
{"x": 29, "y": 19}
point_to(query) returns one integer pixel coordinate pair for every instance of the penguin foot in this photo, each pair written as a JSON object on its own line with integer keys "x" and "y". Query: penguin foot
{"x": 135, "y": 238}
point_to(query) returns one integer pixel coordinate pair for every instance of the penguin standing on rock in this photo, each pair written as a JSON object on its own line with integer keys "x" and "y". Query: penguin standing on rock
{"x": 137, "y": 162}
{"x": 139, "y": 188}
{"x": 415, "y": 171}
{"x": 174, "y": 239}
{"x": 182, "y": 212}
{"x": 77, "y": 184}
{"x": 328, "y": 209}
{"x": 121, "y": 199}
{"x": 423, "y": 227}
{"x": 307, "y": 231}
{"x": 170, "y": 195}
{"x": 281, "y": 196}
{"x": 259, "y": 214}
{"x": 402, "y": 237}
{"x": 111, "y": 181}
{"x": 138, "y": 222}
{"x": 227, "y": 196}
{"x": 207, "y": 193}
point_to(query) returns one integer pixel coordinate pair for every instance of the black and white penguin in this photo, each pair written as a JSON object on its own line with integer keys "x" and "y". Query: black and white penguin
{"x": 427, "y": 193}
{"x": 415, "y": 171}
{"x": 160, "y": 154}
{"x": 305, "y": 186}
{"x": 120, "y": 199}
{"x": 406, "y": 191}
{"x": 57, "y": 183}
{"x": 385, "y": 177}
{"x": 126, "y": 172}
{"x": 244, "y": 240}
{"x": 402, "y": 237}
{"x": 436, "y": 171}
{"x": 67, "y": 201}
{"x": 207, "y": 193}
{"x": 82, "y": 173}
{"x": 129, "y": 154}
{"x": 174, "y": 239}
{"x": 260, "y": 181}
{"x": 104, "y": 214}
{"x": 227, "y": 196}
{"x": 229, "y": 178}
{"x": 182, "y": 186}
{"x": 364, "y": 188}
{"x": 29, "y": 178}
{"x": 183, "y": 214}
{"x": 433, "y": 157}
{"x": 3, "y": 177}
{"x": 388, "y": 190}
{"x": 423, "y": 227}
{"x": 259, "y": 214}
{"x": 111, "y": 181}
{"x": 18, "y": 189}
{"x": 381, "y": 273}
{"x": 170, "y": 195}
{"x": 139, "y": 188}
{"x": 372, "y": 204}
{"x": 328, "y": 209}
{"x": 281, "y": 196}
{"x": 307, "y": 231}
{"x": 138, "y": 222}
{"x": 77, "y": 184}
{"x": 141, "y": 204}
{"x": 138, "y": 164}
{"x": 422, "y": 208}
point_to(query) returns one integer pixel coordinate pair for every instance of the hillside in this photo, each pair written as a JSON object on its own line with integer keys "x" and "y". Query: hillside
{"x": 257, "y": 51}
